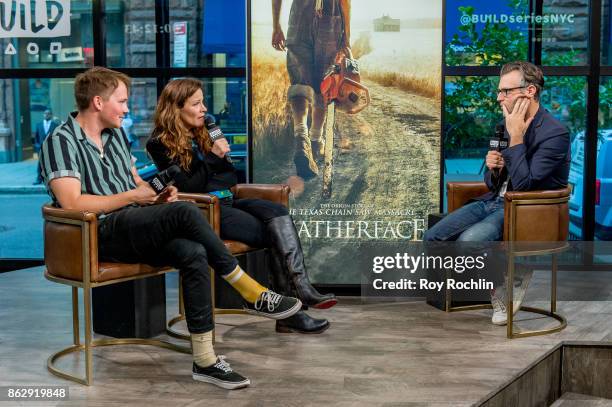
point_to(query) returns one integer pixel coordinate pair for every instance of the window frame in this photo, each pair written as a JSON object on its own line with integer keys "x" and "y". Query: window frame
{"x": 593, "y": 71}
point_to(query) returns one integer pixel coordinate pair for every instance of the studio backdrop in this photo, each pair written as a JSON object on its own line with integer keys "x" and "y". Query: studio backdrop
{"x": 380, "y": 178}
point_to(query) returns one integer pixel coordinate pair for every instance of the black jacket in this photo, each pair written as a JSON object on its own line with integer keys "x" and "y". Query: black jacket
{"x": 541, "y": 162}
{"x": 210, "y": 174}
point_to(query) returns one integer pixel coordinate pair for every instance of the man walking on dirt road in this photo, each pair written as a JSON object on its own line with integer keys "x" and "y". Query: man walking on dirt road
{"x": 318, "y": 30}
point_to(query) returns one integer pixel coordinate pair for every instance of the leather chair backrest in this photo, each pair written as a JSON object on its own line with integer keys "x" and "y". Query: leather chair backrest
{"x": 537, "y": 221}
{"x": 63, "y": 245}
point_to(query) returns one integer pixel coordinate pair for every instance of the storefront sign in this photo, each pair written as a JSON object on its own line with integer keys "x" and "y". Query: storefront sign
{"x": 179, "y": 29}
{"x": 34, "y": 18}
{"x": 73, "y": 54}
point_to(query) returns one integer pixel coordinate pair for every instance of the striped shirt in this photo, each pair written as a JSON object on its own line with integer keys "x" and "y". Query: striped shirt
{"x": 68, "y": 152}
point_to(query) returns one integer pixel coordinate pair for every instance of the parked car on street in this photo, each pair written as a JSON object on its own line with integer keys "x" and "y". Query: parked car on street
{"x": 603, "y": 186}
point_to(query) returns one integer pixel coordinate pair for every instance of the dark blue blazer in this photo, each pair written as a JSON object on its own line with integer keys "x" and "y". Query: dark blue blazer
{"x": 40, "y": 135}
{"x": 541, "y": 162}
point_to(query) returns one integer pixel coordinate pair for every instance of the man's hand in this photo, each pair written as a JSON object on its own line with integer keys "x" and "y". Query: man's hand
{"x": 220, "y": 148}
{"x": 278, "y": 39}
{"x": 67, "y": 190}
{"x": 170, "y": 194}
{"x": 517, "y": 121}
{"x": 144, "y": 194}
{"x": 495, "y": 160}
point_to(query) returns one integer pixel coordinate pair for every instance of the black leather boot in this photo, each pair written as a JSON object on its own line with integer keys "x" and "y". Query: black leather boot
{"x": 287, "y": 246}
{"x": 303, "y": 323}
{"x": 299, "y": 322}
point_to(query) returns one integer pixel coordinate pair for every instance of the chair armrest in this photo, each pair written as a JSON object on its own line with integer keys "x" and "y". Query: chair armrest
{"x": 529, "y": 195}
{"x": 278, "y": 193}
{"x": 205, "y": 199}
{"x": 209, "y": 205}
{"x": 70, "y": 238}
{"x": 48, "y": 210}
{"x": 458, "y": 193}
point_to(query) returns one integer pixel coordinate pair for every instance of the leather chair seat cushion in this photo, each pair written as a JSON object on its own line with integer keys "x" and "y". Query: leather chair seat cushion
{"x": 236, "y": 247}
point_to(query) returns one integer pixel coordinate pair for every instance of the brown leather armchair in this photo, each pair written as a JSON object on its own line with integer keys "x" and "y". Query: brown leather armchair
{"x": 210, "y": 206}
{"x": 540, "y": 219}
{"x": 532, "y": 216}
{"x": 71, "y": 258}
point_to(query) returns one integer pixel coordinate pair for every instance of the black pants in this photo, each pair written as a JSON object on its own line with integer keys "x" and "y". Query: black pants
{"x": 174, "y": 234}
{"x": 245, "y": 220}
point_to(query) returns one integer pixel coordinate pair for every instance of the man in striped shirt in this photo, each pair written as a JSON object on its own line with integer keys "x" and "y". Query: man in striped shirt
{"x": 87, "y": 166}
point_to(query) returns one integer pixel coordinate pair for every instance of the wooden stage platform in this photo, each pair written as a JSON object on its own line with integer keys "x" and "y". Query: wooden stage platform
{"x": 393, "y": 354}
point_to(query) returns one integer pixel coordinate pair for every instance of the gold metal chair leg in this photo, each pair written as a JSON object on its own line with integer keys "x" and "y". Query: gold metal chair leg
{"x": 181, "y": 315}
{"x": 553, "y": 284}
{"x": 88, "y": 335}
{"x": 448, "y": 294}
{"x": 213, "y": 300}
{"x": 553, "y": 306}
{"x": 180, "y": 298}
{"x": 76, "y": 333}
{"x": 178, "y": 318}
{"x": 449, "y": 300}
{"x": 510, "y": 297}
{"x": 510, "y": 305}
{"x": 89, "y": 344}
{"x": 105, "y": 342}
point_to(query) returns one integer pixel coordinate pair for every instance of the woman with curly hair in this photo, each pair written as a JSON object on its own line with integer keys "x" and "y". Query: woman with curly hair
{"x": 180, "y": 138}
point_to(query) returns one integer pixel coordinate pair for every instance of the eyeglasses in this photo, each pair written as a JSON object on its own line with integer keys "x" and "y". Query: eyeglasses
{"x": 506, "y": 91}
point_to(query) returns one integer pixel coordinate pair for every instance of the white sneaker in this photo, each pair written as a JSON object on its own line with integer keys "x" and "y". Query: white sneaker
{"x": 498, "y": 298}
{"x": 498, "y": 301}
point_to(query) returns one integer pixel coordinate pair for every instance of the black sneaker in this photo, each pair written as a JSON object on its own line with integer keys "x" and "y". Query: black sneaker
{"x": 220, "y": 374}
{"x": 275, "y": 306}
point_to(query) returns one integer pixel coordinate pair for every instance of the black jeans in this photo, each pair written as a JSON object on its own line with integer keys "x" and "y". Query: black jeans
{"x": 245, "y": 220}
{"x": 174, "y": 234}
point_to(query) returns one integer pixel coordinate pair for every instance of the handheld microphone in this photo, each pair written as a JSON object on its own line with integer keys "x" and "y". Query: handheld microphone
{"x": 499, "y": 142}
{"x": 215, "y": 133}
{"x": 164, "y": 179}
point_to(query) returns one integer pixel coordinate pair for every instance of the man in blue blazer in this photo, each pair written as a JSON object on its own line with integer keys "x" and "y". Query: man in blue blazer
{"x": 43, "y": 129}
{"x": 537, "y": 157}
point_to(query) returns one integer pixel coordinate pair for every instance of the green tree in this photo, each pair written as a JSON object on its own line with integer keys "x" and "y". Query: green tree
{"x": 470, "y": 106}
{"x": 470, "y": 102}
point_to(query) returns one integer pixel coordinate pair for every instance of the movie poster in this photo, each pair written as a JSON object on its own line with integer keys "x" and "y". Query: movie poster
{"x": 379, "y": 178}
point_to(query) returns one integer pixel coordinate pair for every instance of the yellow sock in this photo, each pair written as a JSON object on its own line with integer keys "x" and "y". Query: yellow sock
{"x": 202, "y": 349}
{"x": 248, "y": 288}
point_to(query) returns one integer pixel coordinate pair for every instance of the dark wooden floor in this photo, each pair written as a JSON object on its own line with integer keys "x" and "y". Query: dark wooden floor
{"x": 395, "y": 354}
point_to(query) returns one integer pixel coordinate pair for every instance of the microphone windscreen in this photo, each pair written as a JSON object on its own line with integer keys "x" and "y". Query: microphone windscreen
{"x": 209, "y": 121}
{"x": 173, "y": 171}
{"x": 499, "y": 130}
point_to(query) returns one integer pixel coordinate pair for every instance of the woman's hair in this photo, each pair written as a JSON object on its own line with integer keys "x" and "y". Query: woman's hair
{"x": 169, "y": 126}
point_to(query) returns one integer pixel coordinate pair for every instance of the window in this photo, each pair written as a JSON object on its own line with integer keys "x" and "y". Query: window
{"x": 480, "y": 32}
{"x": 130, "y": 33}
{"x": 565, "y": 33}
{"x": 214, "y": 41}
{"x": 63, "y": 41}
{"x": 606, "y": 33}
{"x": 470, "y": 114}
{"x": 207, "y": 33}
{"x": 138, "y": 124}
{"x": 603, "y": 172}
